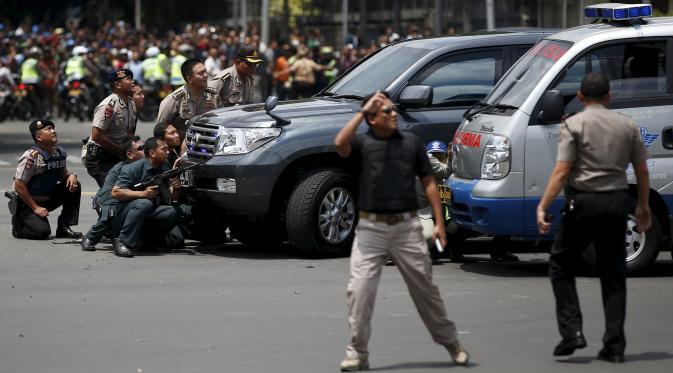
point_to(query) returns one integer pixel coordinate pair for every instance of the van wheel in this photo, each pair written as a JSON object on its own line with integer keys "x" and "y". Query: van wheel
{"x": 321, "y": 216}
{"x": 641, "y": 249}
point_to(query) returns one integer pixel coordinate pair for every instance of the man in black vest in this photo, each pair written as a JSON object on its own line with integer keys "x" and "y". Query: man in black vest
{"x": 41, "y": 184}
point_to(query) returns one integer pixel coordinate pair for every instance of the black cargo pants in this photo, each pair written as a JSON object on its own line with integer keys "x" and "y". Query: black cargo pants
{"x": 25, "y": 224}
{"x": 598, "y": 218}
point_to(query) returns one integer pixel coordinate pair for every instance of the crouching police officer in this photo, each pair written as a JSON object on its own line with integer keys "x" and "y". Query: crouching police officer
{"x": 150, "y": 211}
{"x": 103, "y": 201}
{"x": 41, "y": 184}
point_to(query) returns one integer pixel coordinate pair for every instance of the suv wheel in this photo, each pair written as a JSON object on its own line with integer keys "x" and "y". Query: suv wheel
{"x": 641, "y": 248}
{"x": 321, "y": 213}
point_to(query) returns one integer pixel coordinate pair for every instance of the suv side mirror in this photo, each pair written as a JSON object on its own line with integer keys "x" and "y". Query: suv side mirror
{"x": 416, "y": 96}
{"x": 553, "y": 107}
{"x": 270, "y": 103}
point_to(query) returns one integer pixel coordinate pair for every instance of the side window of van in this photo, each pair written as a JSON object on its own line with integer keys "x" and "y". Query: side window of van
{"x": 636, "y": 70}
{"x": 462, "y": 79}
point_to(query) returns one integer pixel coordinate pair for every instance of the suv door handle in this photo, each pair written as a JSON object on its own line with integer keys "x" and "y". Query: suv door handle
{"x": 667, "y": 138}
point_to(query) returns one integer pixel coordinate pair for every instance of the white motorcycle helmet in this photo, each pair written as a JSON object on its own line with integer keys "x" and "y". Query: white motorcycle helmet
{"x": 79, "y": 50}
{"x": 152, "y": 52}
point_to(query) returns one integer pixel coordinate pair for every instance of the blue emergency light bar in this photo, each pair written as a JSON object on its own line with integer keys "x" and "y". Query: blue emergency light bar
{"x": 617, "y": 11}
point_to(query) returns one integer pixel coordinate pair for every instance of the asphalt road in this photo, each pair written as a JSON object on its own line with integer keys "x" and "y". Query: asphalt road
{"x": 229, "y": 309}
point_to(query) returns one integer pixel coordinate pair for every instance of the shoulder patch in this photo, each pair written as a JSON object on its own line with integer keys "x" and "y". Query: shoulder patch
{"x": 109, "y": 110}
{"x": 210, "y": 90}
{"x": 33, "y": 153}
{"x": 178, "y": 93}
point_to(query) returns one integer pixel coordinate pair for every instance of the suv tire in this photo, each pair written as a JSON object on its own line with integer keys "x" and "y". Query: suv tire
{"x": 321, "y": 215}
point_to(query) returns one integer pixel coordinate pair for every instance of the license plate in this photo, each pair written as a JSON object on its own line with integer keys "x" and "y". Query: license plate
{"x": 187, "y": 178}
{"x": 444, "y": 194}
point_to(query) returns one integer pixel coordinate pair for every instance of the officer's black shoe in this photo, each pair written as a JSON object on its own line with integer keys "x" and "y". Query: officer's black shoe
{"x": 611, "y": 357}
{"x": 87, "y": 245}
{"x": 64, "y": 231}
{"x": 122, "y": 250}
{"x": 568, "y": 345}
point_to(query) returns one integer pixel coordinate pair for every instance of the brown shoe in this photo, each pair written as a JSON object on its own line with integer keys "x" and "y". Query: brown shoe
{"x": 458, "y": 354}
{"x": 353, "y": 364}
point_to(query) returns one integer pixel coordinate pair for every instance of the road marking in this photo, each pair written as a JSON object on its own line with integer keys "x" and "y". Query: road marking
{"x": 83, "y": 193}
{"x": 4, "y": 163}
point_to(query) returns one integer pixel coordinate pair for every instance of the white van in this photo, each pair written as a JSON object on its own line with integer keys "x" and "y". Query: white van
{"x": 505, "y": 149}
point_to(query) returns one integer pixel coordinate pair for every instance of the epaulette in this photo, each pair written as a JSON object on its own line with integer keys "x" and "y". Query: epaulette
{"x": 226, "y": 76}
{"x": 567, "y": 116}
{"x": 210, "y": 90}
{"x": 178, "y": 93}
{"x": 33, "y": 153}
{"x": 112, "y": 102}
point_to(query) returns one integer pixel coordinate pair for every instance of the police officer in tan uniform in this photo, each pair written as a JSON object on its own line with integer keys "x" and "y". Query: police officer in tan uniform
{"x": 234, "y": 85}
{"x": 41, "y": 184}
{"x": 191, "y": 99}
{"x": 595, "y": 147}
{"x": 113, "y": 127}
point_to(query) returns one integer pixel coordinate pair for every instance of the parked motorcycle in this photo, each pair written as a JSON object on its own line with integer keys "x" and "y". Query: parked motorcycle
{"x": 77, "y": 102}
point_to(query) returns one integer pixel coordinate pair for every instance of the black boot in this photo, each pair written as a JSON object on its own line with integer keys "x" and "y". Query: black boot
{"x": 64, "y": 231}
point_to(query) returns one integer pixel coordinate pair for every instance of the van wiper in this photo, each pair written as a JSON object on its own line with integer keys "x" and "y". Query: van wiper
{"x": 325, "y": 94}
{"x": 497, "y": 105}
{"x": 474, "y": 106}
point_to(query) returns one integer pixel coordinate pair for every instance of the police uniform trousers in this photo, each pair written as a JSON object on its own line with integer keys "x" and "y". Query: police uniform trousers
{"x": 598, "y": 218}
{"x": 141, "y": 224}
{"x": 98, "y": 169}
{"x": 404, "y": 243}
{"x": 25, "y": 224}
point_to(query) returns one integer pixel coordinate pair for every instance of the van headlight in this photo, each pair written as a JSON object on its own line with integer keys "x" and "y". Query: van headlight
{"x": 243, "y": 140}
{"x": 497, "y": 158}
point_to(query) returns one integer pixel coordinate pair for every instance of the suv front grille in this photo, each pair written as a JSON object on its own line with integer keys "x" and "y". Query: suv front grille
{"x": 201, "y": 139}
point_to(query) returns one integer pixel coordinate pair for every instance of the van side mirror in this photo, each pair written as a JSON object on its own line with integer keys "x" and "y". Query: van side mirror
{"x": 553, "y": 107}
{"x": 416, "y": 96}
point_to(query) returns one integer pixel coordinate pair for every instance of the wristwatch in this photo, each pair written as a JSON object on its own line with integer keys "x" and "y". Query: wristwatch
{"x": 72, "y": 173}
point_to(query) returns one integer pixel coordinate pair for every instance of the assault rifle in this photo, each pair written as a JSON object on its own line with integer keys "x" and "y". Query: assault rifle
{"x": 157, "y": 179}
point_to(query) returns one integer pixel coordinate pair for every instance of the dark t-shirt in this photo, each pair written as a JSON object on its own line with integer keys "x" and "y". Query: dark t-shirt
{"x": 138, "y": 172}
{"x": 387, "y": 169}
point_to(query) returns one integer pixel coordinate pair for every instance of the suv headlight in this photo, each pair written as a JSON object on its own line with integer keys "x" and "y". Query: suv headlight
{"x": 243, "y": 140}
{"x": 497, "y": 158}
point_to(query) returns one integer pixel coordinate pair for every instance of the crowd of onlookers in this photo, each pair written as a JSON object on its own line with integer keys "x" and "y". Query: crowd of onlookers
{"x": 294, "y": 67}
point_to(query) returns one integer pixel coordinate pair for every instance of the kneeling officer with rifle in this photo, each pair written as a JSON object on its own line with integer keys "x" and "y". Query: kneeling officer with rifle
{"x": 146, "y": 214}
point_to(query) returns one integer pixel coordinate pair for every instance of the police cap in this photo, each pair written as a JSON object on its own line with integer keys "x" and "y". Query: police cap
{"x": 248, "y": 53}
{"x": 39, "y": 124}
{"x": 119, "y": 75}
{"x": 595, "y": 85}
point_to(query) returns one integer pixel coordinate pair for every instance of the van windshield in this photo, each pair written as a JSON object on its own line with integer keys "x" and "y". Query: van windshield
{"x": 378, "y": 71}
{"x": 515, "y": 87}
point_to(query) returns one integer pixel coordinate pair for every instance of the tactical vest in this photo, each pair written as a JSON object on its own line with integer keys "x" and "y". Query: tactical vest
{"x": 74, "y": 69}
{"x": 44, "y": 184}
{"x": 29, "y": 74}
{"x": 176, "y": 73}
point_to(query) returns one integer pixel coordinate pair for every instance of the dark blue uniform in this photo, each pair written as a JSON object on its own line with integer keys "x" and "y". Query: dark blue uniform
{"x": 144, "y": 222}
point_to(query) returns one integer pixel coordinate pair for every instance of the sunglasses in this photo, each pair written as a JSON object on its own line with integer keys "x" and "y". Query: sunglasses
{"x": 389, "y": 109}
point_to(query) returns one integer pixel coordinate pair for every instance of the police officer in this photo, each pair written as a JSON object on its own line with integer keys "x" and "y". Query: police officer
{"x": 388, "y": 226}
{"x": 103, "y": 201}
{"x": 42, "y": 183}
{"x": 595, "y": 147}
{"x": 193, "y": 98}
{"x": 150, "y": 211}
{"x": 113, "y": 127}
{"x": 234, "y": 85}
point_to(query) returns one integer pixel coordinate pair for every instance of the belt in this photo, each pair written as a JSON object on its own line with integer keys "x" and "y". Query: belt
{"x": 390, "y": 219}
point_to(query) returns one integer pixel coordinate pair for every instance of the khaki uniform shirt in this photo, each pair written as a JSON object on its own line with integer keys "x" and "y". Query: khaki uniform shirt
{"x": 232, "y": 88}
{"x": 31, "y": 164}
{"x": 117, "y": 119}
{"x": 600, "y": 143}
{"x": 178, "y": 107}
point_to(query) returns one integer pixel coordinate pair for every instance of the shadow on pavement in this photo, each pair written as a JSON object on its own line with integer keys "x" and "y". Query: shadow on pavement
{"x": 630, "y": 358}
{"x": 423, "y": 365}
{"x": 236, "y": 250}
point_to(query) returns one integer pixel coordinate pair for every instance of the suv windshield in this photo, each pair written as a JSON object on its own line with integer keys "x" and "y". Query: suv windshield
{"x": 378, "y": 71}
{"x": 515, "y": 87}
